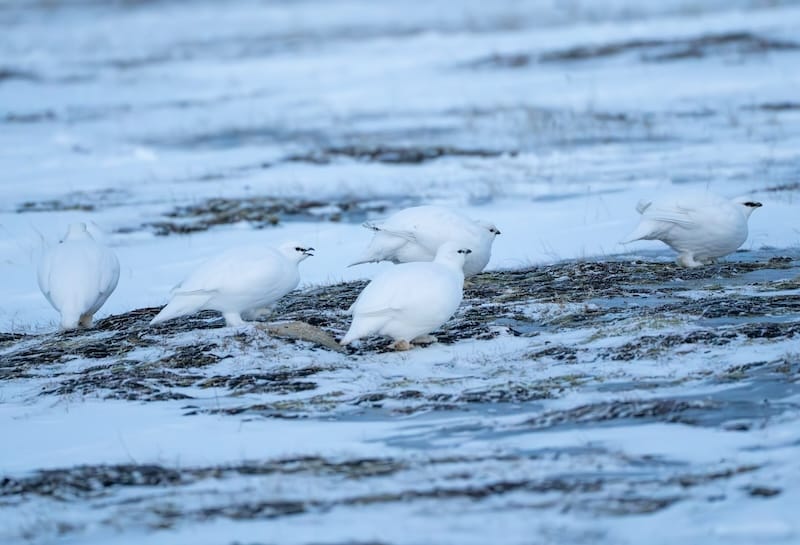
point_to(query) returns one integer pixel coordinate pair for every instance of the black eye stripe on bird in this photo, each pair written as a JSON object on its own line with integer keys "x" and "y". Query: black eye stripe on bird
{"x": 465, "y": 251}
{"x": 753, "y": 204}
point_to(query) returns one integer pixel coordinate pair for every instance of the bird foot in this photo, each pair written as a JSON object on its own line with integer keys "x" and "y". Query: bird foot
{"x": 233, "y": 319}
{"x": 688, "y": 261}
{"x": 424, "y": 339}
{"x": 86, "y": 320}
{"x": 249, "y": 328}
{"x": 400, "y": 346}
{"x": 258, "y": 314}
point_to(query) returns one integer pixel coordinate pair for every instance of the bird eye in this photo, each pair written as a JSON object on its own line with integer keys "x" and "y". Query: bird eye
{"x": 298, "y": 249}
{"x": 752, "y": 204}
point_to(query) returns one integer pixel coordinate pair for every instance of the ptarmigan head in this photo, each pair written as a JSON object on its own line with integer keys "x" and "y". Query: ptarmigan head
{"x": 493, "y": 230}
{"x": 748, "y": 205}
{"x": 451, "y": 253}
{"x": 296, "y": 252}
{"x": 77, "y": 231}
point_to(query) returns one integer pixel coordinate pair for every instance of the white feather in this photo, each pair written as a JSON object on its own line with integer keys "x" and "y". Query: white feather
{"x": 415, "y": 234}
{"x": 701, "y": 227}
{"x": 77, "y": 276}
{"x": 410, "y": 300}
{"x": 236, "y": 281}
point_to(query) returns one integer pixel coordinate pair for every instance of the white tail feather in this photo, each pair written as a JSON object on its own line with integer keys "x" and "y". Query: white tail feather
{"x": 181, "y": 305}
{"x": 643, "y": 205}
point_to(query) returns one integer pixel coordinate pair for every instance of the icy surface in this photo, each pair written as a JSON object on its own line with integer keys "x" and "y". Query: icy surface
{"x": 585, "y": 392}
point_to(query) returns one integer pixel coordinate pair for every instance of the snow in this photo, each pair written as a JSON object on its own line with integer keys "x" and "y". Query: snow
{"x": 124, "y": 432}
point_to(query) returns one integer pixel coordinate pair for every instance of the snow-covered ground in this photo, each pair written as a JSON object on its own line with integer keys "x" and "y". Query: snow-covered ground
{"x": 551, "y": 119}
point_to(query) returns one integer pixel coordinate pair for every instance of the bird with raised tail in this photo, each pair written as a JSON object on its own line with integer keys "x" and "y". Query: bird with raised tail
{"x": 238, "y": 280}
{"x": 410, "y": 300}
{"x": 415, "y": 234}
{"x": 701, "y": 227}
{"x": 77, "y": 276}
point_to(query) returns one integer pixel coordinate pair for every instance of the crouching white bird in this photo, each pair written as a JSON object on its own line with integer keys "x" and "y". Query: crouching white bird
{"x": 77, "y": 276}
{"x": 415, "y": 234}
{"x": 410, "y": 300}
{"x": 238, "y": 280}
{"x": 701, "y": 227}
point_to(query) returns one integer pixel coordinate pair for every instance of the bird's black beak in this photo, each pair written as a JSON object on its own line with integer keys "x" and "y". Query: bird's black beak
{"x": 753, "y": 204}
{"x": 308, "y": 251}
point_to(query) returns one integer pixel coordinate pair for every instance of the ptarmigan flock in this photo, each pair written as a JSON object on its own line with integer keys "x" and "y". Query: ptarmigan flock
{"x": 434, "y": 249}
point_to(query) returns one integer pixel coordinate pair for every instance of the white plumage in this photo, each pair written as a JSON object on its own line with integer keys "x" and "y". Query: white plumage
{"x": 77, "y": 276}
{"x": 236, "y": 281}
{"x": 415, "y": 234}
{"x": 410, "y": 300}
{"x": 701, "y": 227}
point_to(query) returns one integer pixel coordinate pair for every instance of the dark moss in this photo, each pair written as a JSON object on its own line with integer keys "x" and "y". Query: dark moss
{"x": 602, "y": 294}
{"x": 648, "y": 50}
{"x": 264, "y": 212}
{"x": 391, "y": 154}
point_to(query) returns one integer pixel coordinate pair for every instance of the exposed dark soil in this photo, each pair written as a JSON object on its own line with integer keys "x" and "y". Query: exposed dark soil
{"x": 592, "y": 493}
{"x": 137, "y": 361}
{"x": 262, "y": 212}
{"x": 391, "y": 154}
{"x": 736, "y": 44}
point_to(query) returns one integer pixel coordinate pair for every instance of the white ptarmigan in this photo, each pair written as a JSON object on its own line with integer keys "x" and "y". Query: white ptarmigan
{"x": 415, "y": 234}
{"x": 77, "y": 276}
{"x": 701, "y": 227}
{"x": 410, "y": 300}
{"x": 238, "y": 280}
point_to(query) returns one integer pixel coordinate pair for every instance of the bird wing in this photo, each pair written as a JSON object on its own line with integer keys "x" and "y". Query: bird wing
{"x": 383, "y": 247}
{"x": 181, "y": 304}
{"x": 687, "y": 209}
{"x": 43, "y": 274}
{"x": 658, "y": 218}
{"x": 110, "y": 272}
{"x": 422, "y": 217}
{"x": 235, "y": 271}
{"x": 68, "y": 276}
{"x": 683, "y": 214}
{"x": 107, "y": 278}
{"x": 393, "y": 291}
{"x": 415, "y": 234}
{"x": 432, "y": 226}
{"x": 395, "y": 231}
